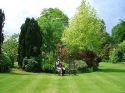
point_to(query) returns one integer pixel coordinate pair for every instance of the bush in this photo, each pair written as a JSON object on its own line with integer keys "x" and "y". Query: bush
{"x": 91, "y": 59}
{"x": 105, "y": 53}
{"x": 5, "y": 63}
{"x": 81, "y": 66}
{"x": 116, "y": 56}
{"x": 32, "y": 65}
{"x": 122, "y": 47}
{"x": 48, "y": 65}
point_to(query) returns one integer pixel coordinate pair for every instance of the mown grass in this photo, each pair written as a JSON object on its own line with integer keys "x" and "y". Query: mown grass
{"x": 109, "y": 79}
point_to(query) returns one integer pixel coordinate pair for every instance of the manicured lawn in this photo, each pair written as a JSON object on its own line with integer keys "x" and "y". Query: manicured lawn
{"x": 109, "y": 79}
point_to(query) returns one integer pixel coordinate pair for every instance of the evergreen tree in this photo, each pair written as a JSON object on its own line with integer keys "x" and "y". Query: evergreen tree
{"x": 2, "y": 19}
{"x": 30, "y": 40}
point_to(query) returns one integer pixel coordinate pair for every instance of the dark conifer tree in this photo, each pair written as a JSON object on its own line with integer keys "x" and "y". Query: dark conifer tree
{"x": 2, "y": 19}
{"x": 30, "y": 40}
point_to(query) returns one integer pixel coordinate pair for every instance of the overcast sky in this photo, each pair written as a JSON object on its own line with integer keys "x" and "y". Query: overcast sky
{"x": 16, "y": 11}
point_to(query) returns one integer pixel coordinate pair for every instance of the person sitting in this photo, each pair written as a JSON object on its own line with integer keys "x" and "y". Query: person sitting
{"x": 60, "y": 68}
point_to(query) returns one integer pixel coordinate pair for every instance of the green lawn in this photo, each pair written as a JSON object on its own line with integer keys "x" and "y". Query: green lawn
{"x": 109, "y": 79}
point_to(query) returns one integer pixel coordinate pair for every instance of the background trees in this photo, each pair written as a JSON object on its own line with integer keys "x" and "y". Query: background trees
{"x": 10, "y": 47}
{"x": 118, "y": 32}
{"x": 30, "y": 42}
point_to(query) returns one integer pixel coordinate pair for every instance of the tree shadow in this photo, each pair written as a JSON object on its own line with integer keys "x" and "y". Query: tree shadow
{"x": 14, "y": 73}
{"x": 111, "y": 70}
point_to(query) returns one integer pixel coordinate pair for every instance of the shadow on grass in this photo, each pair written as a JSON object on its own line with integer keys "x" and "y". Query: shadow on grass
{"x": 14, "y": 73}
{"x": 111, "y": 70}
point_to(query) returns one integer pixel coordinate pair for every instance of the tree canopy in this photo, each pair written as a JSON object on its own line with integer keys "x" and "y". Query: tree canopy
{"x": 118, "y": 32}
{"x": 52, "y": 22}
{"x": 83, "y": 31}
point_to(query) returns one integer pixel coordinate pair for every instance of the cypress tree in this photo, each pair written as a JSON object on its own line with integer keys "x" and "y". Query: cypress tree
{"x": 2, "y": 19}
{"x": 30, "y": 40}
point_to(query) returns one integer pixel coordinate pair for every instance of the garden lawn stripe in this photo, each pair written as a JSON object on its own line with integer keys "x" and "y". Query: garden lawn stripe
{"x": 101, "y": 82}
{"x": 90, "y": 85}
{"x": 68, "y": 85}
{"x": 43, "y": 84}
{"x": 114, "y": 83}
{"x": 80, "y": 84}
{"x": 110, "y": 79}
{"x": 11, "y": 85}
{"x": 52, "y": 86}
{"x": 29, "y": 84}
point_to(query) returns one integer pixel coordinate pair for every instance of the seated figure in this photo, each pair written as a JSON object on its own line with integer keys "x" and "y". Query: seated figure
{"x": 60, "y": 68}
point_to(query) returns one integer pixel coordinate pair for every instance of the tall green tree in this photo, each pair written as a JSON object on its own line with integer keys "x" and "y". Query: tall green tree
{"x": 83, "y": 32}
{"x": 118, "y": 32}
{"x": 2, "y": 19}
{"x": 30, "y": 40}
{"x": 52, "y": 22}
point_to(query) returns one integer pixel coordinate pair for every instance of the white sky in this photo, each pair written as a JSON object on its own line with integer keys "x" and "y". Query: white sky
{"x": 16, "y": 11}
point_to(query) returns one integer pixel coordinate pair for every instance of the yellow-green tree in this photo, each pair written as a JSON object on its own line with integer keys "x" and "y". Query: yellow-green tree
{"x": 83, "y": 31}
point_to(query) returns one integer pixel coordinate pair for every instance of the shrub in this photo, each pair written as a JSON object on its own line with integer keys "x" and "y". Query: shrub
{"x": 32, "y": 65}
{"x": 122, "y": 46}
{"x": 81, "y": 66}
{"x": 116, "y": 55}
{"x": 48, "y": 65}
{"x": 91, "y": 59}
{"x": 105, "y": 53}
{"x": 5, "y": 63}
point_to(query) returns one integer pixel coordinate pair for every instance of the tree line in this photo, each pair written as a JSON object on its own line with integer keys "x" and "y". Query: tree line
{"x": 53, "y": 35}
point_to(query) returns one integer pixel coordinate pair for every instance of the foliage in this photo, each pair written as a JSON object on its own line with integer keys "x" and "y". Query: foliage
{"x": 81, "y": 66}
{"x": 2, "y": 19}
{"x": 105, "y": 52}
{"x": 52, "y": 22}
{"x": 30, "y": 40}
{"x": 32, "y": 65}
{"x": 62, "y": 53}
{"x": 10, "y": 47}
{"x": 103, "y": 26}
{"x": 122, "y": 46}
{"x": 90, "y": 58}
{"x": 118, "y": 32}
{"x": 107, "y": 39}
{"x": 116, "y": 55}
{"x": 5, "y": 63}
{"x": 83, "y": 32}
{"x": 48, "y": 66}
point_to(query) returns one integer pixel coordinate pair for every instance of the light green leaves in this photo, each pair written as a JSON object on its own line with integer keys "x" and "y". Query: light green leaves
{"x": 83, "y": 31}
